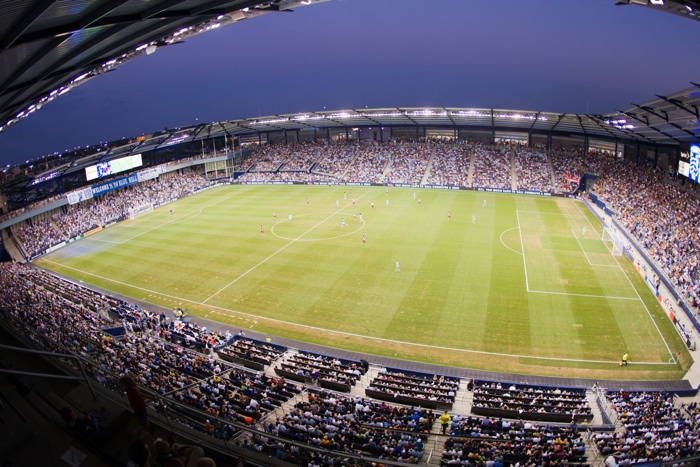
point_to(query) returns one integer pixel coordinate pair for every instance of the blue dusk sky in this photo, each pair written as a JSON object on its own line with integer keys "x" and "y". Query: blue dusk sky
{"x": 577, "y": 56}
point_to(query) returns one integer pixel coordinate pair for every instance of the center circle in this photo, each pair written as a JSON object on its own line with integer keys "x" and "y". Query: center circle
{"x": 317, "y": 226}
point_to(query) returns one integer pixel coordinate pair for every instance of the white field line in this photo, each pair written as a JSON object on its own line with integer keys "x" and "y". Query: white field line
{"x": 586, "y": 255}
{"x": 611, "y": 297}
{"x": 576, "y": 203}
{"x": 527, "y": 289}
{"x": 183, "y": 218}
{"x": 645, "y": 307}
{"x": 362, "y": 226}
{"x": 342, "y": 333}
{"x": 635, "y": 291}
{"x": 291, "y": 242}
{"x": 551, "y": 213}
{"x": 504, "y": 244}
{"x": 522, "y": 246}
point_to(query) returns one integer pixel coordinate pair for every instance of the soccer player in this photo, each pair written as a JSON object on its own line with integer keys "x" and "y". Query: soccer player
{"x": 484, "y": 203}
{"x": 387, "y": 202}
{"x": 414, "y": 195}
{"x": 274, "y": 215}
{"x": 398, "y": 266}
{"x": 171, "y": 212}
{"x": 473, "y": 218}
{"x": 342, "y": 222}
{"x": 419, "y": 202}
{"x": 354, "y": 215}
{"x": 372, "y": 205}
{"x": 449, "y": 215}
{"x": 583, "y": 231}
{"x": 387, "y": 192}
{"x": 363, "y": 239}
{"x": 262, "y": 232}
{"x": 345, "y": 195}
{"x": 353, "y": 201}
{"x": 290, "y": 217}
{"x": 307, "y": 200}
{"x": 337, "y": 203}
{"x": 361, "y": 218}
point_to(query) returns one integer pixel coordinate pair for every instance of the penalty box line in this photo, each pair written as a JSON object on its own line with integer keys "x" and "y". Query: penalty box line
{"x": 624, "y": 273}
{"x": 185, "y": 217}
{"x": 583, "y": 250}
{"x": 284, "y": 247}
{"x": 527, "y": 282}
{"x": 349, "y": 334}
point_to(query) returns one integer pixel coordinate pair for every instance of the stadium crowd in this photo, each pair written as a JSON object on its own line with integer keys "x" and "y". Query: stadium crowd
{"x": 654, "y": 429}
{"x": 533, "y": 172}
{"x": 498, "y": 442}
{"x": 492, "y": 167}
{"x": 354, "y": 425}
{"x": 450, "y": 166}
{"x": 657, "y": 210}
{"x": 531, "y": 402}
{"x": 42, "y": 232}
{"x": 64, "y": 317}
{"x": 661, "y": 215}
{"x": 436, "y": 391}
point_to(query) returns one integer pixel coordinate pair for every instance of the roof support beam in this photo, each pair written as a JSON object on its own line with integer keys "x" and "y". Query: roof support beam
{"x": 645, "y": 121}
{"x": 607, "y": 128}
{"x": 100, "y": 12}
{"x": 30, "y": 62}
{"x": 159, "y": 8}
{"x": 27, "y": 20}
{"x": 219, "y": 4}
{"x": 115, "y": 50}
{"x": 561, "y": 117}
{"x": 680, "y": 105}
{"x": 537, "y": 116}
{"x": 665, "y": 118}
{"x": 84, "y": 47}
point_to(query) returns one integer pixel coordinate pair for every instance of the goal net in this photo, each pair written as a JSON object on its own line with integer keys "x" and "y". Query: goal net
{"x": 612, "y": 240}
{"x": 138, "y": 210}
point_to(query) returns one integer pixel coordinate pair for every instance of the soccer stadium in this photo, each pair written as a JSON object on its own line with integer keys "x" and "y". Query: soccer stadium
{"x": 349, "y": 287}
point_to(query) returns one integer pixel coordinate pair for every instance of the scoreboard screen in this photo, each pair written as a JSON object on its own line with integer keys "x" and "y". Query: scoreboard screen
{"x": 689, "y": 163}
{"x": 694, "y": 170}
{"x": 105, "y": 169}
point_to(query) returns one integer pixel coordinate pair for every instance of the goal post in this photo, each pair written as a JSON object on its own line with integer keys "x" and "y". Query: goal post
{"x": 138, "y": 210}
{"x": 612, "y": 240}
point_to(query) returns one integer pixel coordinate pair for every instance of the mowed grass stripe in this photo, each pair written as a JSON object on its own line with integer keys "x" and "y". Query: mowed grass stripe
{"x": 459, "y": 286}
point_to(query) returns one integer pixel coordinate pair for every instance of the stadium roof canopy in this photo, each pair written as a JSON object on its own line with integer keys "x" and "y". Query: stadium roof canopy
{"x": 686, "y": 8}
{"x": 47, "y": 47}
{"x": 628, "y": 125}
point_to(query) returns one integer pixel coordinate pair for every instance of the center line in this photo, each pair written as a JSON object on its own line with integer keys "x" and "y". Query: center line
{"x": 275, "y": 253}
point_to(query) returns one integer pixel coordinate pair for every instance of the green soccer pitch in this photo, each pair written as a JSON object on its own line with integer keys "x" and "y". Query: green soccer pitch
{"x": 518, "y": 284}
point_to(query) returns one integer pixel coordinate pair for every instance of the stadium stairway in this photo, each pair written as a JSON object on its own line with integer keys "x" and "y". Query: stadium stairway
{"x": 513, "y": 171}
{"x": 347, "y": 167}
{"x": 12, "y": 247}
{"x": 428, "y": 167}
{"x": 470, "y": 172}
{"x": 551, "y": 170}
